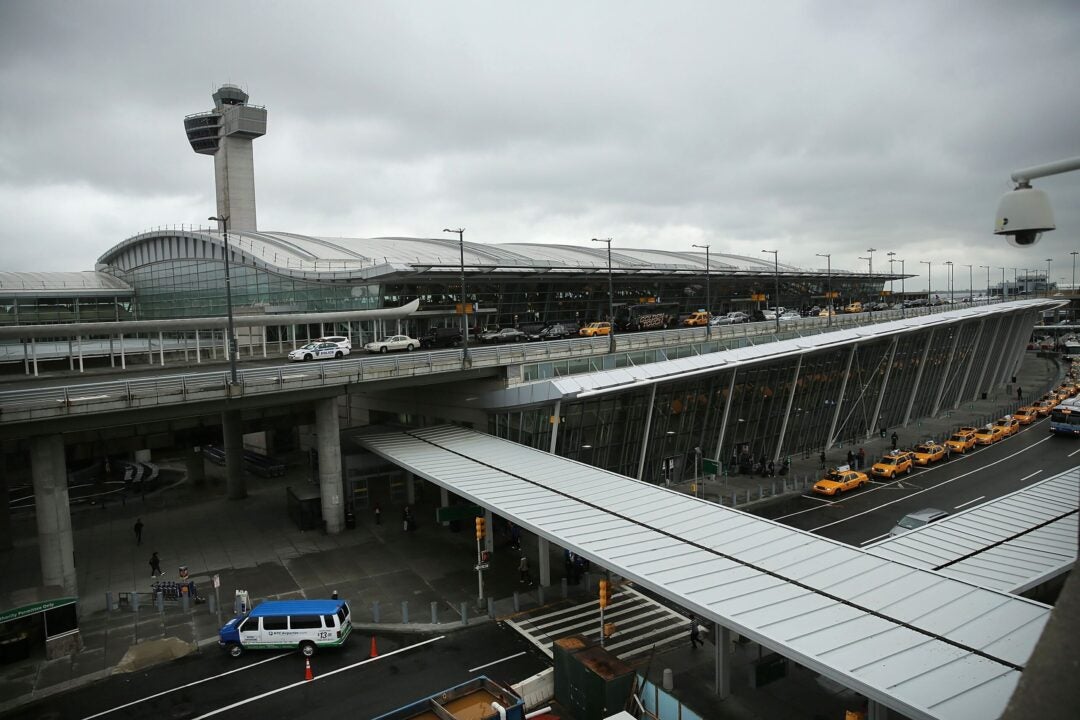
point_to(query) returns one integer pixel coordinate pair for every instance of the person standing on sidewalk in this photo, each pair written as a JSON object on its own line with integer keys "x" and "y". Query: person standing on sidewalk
{"x": 155, "y": 565}
{"x": 1019, "y": 394}
{"x": 824, "y": 462}
{"x": 523, "y": 569}
{"x": 862, "y": 458}
{"x": 138, "y": 531}
{"x": 895, "y": 440}
{"x": 695, "y": 633}
{"x": 378, "y": 514}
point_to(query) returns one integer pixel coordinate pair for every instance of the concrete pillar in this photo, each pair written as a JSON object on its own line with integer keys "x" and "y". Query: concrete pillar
{"x": 329, "y": 432}
{"x": 489, "y": 532}
{"x": 232, "y": 428}
{"x": 410, "y": 488}
{"x": 49, "y": 469}
{"x": 444, "y": 501}
{"x": 193, "y": 463}
{"x": 723, "y": 662}
{"x": 545, "y": 561}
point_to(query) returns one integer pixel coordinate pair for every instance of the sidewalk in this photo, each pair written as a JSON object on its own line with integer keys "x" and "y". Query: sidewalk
{"x": 253, "y": 545}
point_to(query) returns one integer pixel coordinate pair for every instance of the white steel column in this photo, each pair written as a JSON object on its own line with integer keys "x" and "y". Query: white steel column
{"x": 123, "y": 359}
{"x": 556, "y": 420}
{"x": 831, "y": 437}
{"x": 112, "y": 359}
{"x": 993, "y": 379}
{"x": 723, "y": 661}
{"x": 78, "y": 344}
{"x": 986, "y": 362}
{"x": 918, "y": 377}
{"x": 33, "y": 355}
{"x": 945, "y": 375}
{"x": 1019, "y": 346}
{"x": 161, "y": 348}
{"x": 264, "y": 340}
{"x": 198, "y": 349}
{"x": 787, "y": 412}
{"x": 71, "y": 356}
{"x": 971, "y": 361}
{"x": 876, "y": 417}
{"x": 727, "y": 413}
{"x": 545, "y": 561}
{"x": 644, "y": 433}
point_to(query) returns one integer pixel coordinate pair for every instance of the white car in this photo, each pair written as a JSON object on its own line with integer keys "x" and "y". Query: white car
{"x": 340, "y": 340}
{"x": 394, "y": 342}
{"x": 789, "y": 315}
{"x": 318, "y": 351}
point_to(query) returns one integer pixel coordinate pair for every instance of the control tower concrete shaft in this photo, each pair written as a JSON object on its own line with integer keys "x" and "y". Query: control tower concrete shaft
{"x": 226, "y": 133}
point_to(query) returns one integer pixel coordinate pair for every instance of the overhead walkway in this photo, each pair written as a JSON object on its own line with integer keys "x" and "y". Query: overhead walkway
{"x": 911, "y": 639}
{"x": 1012, "y": 543}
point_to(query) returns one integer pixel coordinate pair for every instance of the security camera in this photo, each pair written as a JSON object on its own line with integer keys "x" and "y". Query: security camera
{"x": 1023, "y": 215}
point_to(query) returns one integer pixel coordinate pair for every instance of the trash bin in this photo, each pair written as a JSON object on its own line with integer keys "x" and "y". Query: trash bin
{"x": 983, "y": 396}
{"x": 350, "y": 520}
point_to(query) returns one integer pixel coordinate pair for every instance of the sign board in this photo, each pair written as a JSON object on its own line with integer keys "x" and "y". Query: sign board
{"x": 833, "y": 294}
{"x": 468, "y": 308}
{"x": 481, "y": 566}
{"x": 710, "y": 466}
{"x": 458, "y": 512}
{"x": 757, "y": 296}
{"x": 217, "y": 581}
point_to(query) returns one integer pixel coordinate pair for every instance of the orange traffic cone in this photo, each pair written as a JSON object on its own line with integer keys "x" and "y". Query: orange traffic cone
{"x": 374, "y": 652}
{"x": 308, "y": 675}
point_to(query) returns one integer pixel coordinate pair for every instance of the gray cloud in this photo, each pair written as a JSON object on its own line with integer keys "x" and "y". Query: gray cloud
{"x": 812, "y": 127}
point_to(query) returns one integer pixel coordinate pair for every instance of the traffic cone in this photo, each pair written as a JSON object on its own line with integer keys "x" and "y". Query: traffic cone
{"x": 374, "y": 652}
{"x": 308, "y": 675}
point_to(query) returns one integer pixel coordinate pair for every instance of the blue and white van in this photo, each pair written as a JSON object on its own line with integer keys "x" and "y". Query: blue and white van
{"x": 288, "y": 624}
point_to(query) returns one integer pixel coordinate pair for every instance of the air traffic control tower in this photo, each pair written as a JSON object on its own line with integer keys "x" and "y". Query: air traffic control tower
{"x": 226, "y": 133}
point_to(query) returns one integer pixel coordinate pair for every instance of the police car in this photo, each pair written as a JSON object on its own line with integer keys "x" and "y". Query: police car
{"x": 318, "y": 351}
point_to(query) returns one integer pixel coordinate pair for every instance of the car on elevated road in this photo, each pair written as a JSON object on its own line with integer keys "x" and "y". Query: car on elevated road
{"x": 594, "y": 329}
{"x": 504, "y": 335}
{"x": 840, "y": 480}
{"x": 892, "y": 464}
{"x": 393, "y": 343}
{"x": 928, "y": 452}
{"x": 318, "y": 351}
{"x": 696, "y": 319}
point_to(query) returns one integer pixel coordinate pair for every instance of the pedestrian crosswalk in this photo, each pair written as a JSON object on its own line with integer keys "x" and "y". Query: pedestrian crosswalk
{"x": 636, "y": 624}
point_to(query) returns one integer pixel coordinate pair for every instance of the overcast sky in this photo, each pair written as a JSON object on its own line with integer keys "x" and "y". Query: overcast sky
{"x": 811, "y": 127}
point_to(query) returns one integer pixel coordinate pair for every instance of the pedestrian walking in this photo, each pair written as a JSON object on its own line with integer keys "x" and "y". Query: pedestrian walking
{"x": 138, "y": 531}
{"x": 378, "y": 514}
{"x": 824, "y": 462}
{"x": 523, "y": 570}
{"x": 862, "y": 458}
{"x": 695, "y": 633}
{"x": 1019, "y": 393}
{"x": 895, "y": 440}
{"x": 155, "y": 565}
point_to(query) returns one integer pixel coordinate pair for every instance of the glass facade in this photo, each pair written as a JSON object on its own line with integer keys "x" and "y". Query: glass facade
{"x": 832, "y": 397}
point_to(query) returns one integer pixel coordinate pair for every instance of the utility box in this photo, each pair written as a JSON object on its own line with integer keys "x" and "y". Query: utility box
{"x": 590, "y": 682}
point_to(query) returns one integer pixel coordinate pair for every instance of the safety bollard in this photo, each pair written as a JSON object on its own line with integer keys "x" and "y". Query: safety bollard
{"x": 161, "y": 602}
{"x": 491, "y": 607}
{"x": 108, "y": 602}
{"x": 375, "y": 612}
{"x": 517, "y": 602}
{"x": 185, "y": 601}
{"x": 464, "y": 613}
{"x": 405, "y": 611}
{"x": 434, "y": 613}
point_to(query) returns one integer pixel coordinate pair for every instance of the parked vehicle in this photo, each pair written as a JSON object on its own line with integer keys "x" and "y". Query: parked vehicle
{"x": 286, "y": 625}
{"x": 1065, "y": 418}
{"x": 393, "y": 343}
{"x": 732, "y": 318}
{"x": 917, "y": 519}
{"x": 840, "y": 480}
{"x": 340, "y": 340}
{"x": 696, "y": 319}
{"x": 989, "y": 435}
{"x": 962, "y": 440}
{"x": 928, "y": 452}
{"x": 594, "y": 329}
{"x": 318, "y": 351}
{"x": 892, "y": 464}
{"x": 558, "y": 331}
{"x": 504, "y": 335}
{"x": 646, "y": 316}
{"x": 1008, "y": 424}
{"x": 789, "y": 315}
{"x": 1026, "y": 415}
{"x": 855, "y": 307}
{"x": 442, "y": 337}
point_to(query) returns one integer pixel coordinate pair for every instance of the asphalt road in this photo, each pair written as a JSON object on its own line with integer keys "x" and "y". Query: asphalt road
{"x": 261, "y": 685}
{"x": 860, "y": 516}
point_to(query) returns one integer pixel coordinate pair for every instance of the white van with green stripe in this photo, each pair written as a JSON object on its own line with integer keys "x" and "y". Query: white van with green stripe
{"x": 302, "y": 625}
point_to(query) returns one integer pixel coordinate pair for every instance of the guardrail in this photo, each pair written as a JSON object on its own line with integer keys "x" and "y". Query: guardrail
{"x": 89, "y": 398}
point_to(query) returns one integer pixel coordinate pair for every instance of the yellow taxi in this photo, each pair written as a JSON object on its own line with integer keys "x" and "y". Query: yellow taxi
{"x": 1008, "y": 424}
{"x": 962, "y": 440}
{"x": 1043, "y": 407}
{"x": 892, "y": 464}
{"x": 695, "y": 319}
{"x": 827, "y": 312}
{"x": 1051, "y": 398}
{"x": 1062, "y": 393}
{"x": 840, "y": 480}
{"x": 928, "y": 452}
{"x": 989, "y": 435}
{"x": 1026, "y": 415}
{"x": 855, "y": 307}
{"x": 594, "y": 329}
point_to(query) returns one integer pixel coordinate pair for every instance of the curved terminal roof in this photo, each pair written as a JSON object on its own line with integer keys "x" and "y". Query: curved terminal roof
{"x": 62, "y": 283}
{"x": 359, "y": 258}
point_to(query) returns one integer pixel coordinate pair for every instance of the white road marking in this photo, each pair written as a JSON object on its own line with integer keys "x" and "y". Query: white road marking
{"x": 1030, "y": 476}
{"x": 957, "y": 507}
{"x": 814, "y": 497}
{"x": 301, "y": 683}
{"x": 495, "y": 662}
{"x": 943, "y": 482}
{"x": 867, "y": 542}
{"x": 191, "y": 684}
{"x": 1073, "y": 453}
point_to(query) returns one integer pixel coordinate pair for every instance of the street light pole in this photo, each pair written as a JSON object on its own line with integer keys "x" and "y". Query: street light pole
{"x": 950, "y": 276}
{"x": 708, "y": 295}
{"x": 987, "y": 282}
{"x": 465, "y": 359}
{"x": 776, "y": 287}
{"x": 828, "y": 285}
{"x": 1002, "y": 284}
{"x": 971, "y": 283}
{"x": 224, "y": 220}
{"x": 1072, "y": 285}
{"x": 927, "y": 264}
{"x": 903, "y": 295}
{"x": 610, "y": 296}
{"x": 870, "y": 252}
{"x": 891, "y": 261}
{"x": 1048, "y": 261}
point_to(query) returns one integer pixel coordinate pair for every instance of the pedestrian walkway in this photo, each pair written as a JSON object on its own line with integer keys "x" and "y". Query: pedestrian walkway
{"x": 393, "y": 579}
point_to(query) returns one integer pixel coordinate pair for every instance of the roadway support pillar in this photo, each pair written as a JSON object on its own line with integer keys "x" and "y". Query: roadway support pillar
{"x": 444, "y": 501}
{"x": 193, "y": 464}
{"x": 329, "y": 431}
{"x": 410, "y": 488}
{"x": 723, "y": 661}
{"x": 918, "y": 377}
{"x": 489, "y": 532}
{"x": 233, "y": 431}
{"x": 545, "y": 561}
{"x": 49, "y": 470}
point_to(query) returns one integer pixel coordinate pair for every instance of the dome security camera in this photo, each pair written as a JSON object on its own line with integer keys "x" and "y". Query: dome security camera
{"x": 1023, "y": 215}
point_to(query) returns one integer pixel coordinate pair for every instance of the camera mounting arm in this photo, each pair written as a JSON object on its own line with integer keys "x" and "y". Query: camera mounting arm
{"x": 1055, "y": 168}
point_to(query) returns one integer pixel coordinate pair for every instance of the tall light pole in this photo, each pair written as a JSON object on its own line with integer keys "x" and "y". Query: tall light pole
{"x": 776, "y": 286}
{"x": 1048, "y": 261}
{"x": 465, "y": 359}
{"x": 1002, "y": 284}
{"x": 708, "y": 296}
{"x": 610, "y": 296}
{"x": 971, "y": 283}
{"x": 950, "y": 277}
{"x": 903, "y": 295}
{"x": 870, "y": 252}
{"x": 1072, "y": 285}
{"x": 987, "y": 282}
{"x": 870, "y": 305}
{"x": 891, "y": 261}
{"x": 927, "y": 264}
{"x": 224, "y": 221}
{"x": 1016, "y": 280}
{"x": 828, "y": 285}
